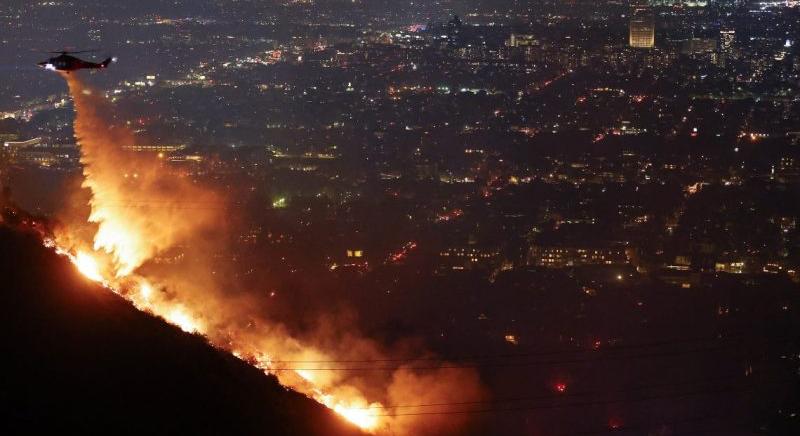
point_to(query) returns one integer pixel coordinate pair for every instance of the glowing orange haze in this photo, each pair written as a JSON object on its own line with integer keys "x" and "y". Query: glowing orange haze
{"x": 136, "y": 208}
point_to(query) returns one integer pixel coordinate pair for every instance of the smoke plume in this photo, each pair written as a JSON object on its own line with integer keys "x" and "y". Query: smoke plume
{"x": 136, "y": 205}
{"x": 139, "y": 208}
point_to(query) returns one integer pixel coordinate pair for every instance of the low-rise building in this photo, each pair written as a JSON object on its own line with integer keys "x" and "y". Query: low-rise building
{"x": 558, "y": 256}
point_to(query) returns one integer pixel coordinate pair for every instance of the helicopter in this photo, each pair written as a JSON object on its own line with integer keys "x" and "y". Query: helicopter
{"x": 66, "y": 62}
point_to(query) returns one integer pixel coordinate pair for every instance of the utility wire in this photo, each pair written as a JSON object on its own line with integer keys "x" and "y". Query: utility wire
{"x": 553, "y": 396}
{"x": 532, "y": 354}
{"x": 640, "y": 428}
{"x": 600, "y": 357}
{"x": 688, "y": 394}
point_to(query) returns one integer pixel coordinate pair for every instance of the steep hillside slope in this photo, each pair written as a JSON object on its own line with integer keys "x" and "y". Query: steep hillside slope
{"x": 78, "y": 357}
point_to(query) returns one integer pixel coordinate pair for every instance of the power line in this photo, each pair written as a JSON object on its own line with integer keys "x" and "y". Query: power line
{"x": 600, "y": 357}
{"x": 523, "y": 355}
{"x": 640, "y": 427}
{"x": 559, "y": 406}
{"x": 689, "y": 394}
{"x": 559, "y": 396}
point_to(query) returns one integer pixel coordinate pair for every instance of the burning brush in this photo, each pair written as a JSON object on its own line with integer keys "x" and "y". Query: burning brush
{"x": 127, "y": 237}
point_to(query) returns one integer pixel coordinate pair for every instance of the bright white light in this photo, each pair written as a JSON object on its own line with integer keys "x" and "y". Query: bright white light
{"x": 49, "y": 66}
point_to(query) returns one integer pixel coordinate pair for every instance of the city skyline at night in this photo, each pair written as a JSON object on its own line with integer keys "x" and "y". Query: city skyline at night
{"x": 458, "y": 217}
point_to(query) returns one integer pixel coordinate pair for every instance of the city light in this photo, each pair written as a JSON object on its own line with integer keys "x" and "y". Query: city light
{"x": 428, "y": 218}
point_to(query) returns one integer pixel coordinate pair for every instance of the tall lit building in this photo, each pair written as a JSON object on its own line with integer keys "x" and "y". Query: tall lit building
{"x": 726, "y": 40}
{"x": 642, "y": 29}
{"x": 727, "y": 37}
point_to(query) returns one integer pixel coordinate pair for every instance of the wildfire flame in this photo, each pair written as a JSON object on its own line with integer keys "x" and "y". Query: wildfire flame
{"x": 88, "y": 266}
{"x": 124, "y": 236}
{"x": 355, "y": 410}
{"x": 145, "y": 291}
{"x": 182, "y": 319}
{"x": 114, "y": 240}
{"x": 127, "y": 237}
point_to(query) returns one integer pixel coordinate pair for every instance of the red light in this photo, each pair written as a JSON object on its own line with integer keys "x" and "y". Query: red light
{"x": 561, "y": 387}
{"x": 614, "y": 424}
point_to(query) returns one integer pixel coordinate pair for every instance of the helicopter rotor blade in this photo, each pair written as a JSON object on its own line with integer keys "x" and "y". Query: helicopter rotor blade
{"x": 72, "y": 52}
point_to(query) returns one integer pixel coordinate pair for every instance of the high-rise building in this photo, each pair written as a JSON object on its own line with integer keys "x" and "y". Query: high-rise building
{"x": 642, "y": 29}
{"x": 726, "y": 40}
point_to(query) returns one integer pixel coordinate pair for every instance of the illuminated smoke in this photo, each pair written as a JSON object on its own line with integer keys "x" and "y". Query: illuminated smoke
{"x": 139, "y": 209}
{"x": 136, "y": 205}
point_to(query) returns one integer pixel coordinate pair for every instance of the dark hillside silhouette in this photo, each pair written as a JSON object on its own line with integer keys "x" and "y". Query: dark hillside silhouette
{"x": 78, "y": 358}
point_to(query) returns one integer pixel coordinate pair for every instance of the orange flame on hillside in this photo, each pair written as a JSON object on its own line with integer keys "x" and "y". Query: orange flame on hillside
{"x": 140, "y": 217}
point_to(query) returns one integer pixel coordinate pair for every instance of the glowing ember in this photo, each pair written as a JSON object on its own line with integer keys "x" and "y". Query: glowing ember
{"x": 87, "y": 265}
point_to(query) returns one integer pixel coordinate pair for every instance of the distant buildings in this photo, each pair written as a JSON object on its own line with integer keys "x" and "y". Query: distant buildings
{"x": 354, "y": 259}
{"x": 441, "y": 124}
{"x": 154, "y": 148}
{"x": 468, "y": 258}
{"x": 35, "y": 152}
{"x": 522, "y": 40}
{"x": 696, "y": 46}
{"x": 13, "y": 146}
{"x": 557, "y": 256}
{"x": 454, "y": 32}
{"x": 642, "y": 29}
{"x": 731, "y": 267}
{"x": 726, "y": 39}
